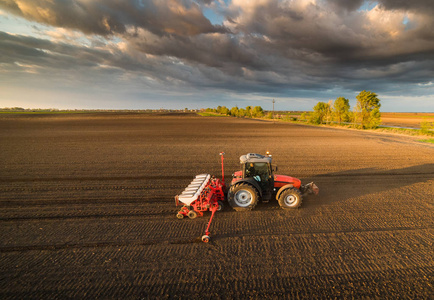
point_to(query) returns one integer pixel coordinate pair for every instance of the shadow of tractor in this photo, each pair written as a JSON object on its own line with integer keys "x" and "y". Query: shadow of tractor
{"x": 341, "y": 186}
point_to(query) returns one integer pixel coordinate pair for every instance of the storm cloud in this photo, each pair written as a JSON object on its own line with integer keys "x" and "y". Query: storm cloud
{"x": 106, "y": 17}
{"x": 265, "y": 46}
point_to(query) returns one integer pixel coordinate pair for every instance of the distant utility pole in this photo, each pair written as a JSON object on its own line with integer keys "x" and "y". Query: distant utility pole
{"x": 273, "y": 110}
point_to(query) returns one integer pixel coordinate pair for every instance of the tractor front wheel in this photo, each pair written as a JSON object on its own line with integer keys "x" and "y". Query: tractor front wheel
{"x": 290, "y": 199}
{"x": 243, "y": 197}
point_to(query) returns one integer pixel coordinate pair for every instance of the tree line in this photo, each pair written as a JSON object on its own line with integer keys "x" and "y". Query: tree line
{"x": 365, "y": 115}
{"x": 248, "y": 112}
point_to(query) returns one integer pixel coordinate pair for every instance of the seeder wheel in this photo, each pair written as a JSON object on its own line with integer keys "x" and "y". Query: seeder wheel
{"x": 192, "y": 214}
{"x": 205, "y": 238}
{"x": 180, "y": 216}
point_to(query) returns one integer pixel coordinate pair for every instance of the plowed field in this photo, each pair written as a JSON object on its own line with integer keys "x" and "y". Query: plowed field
{"x": 409, "y": 120}
{"x": 87, "y": 211}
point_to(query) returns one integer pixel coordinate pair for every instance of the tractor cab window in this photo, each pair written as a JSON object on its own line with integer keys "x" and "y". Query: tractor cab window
{"x": 259, "y": 171}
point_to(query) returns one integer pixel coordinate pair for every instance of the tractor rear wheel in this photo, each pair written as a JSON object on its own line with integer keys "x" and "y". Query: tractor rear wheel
{"x": 243, "y": 197}
{"x": 290, "y": 199}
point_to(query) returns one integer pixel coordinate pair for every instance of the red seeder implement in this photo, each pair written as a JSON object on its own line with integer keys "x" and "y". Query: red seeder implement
{"x": 204, "y": 193}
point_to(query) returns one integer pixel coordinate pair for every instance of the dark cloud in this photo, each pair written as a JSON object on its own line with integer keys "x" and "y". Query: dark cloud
{"x": 24, "y": 54}
{"x": 422, "y": 6}
{"x": 346, "y": 38}
{"x": 217, "y": 50}
{"x": 207, "y": 2}
{"x": 105, "y": 17}
{"x": 346, "y": 4}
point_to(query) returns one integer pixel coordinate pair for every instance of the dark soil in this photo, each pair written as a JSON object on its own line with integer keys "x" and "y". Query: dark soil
{"x": 88, "y": 211}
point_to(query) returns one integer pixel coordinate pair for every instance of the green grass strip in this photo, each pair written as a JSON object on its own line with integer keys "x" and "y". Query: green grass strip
{"x": 431, "y": 141}
{"x": 211, "y": 114}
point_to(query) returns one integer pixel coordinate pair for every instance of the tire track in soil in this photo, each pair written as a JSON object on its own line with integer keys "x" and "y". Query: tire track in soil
{"x": 323, "y": 274}
{"x": 217, "y": 238}
{"x": 105, "y": 200}
{"x": 102, "y": 178}
{"x": 90, "y": 188}
{"x": 83, "y": 217}
{"x": 165, "y": 186}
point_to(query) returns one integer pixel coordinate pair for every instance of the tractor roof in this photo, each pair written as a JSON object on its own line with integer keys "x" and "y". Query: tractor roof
{"x": 254, "y": 158}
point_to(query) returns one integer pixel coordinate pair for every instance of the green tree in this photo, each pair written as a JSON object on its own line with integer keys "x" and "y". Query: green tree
{"x": 224, "y": 110}
{"x": 241, "y": 112}
{"x": 367, "y": 111}
{"x": 341, "y": 109}
{"x": 257, "y": 112}
{"x": 234, "y": 111}
{"x": 320, "y": 113}
{"x": 329, "y": 112}
{"x": 249, "y": 110}
{"x": 375, "y": 118}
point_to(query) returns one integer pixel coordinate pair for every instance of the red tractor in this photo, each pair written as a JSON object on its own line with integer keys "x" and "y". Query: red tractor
{"x": 254, "y": 182}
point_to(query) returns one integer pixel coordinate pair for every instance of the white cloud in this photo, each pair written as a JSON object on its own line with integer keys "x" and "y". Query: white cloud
{"x": 426, "y": 84}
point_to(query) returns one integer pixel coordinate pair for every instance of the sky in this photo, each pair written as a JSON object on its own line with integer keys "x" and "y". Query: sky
{"x": 150, "y": 54}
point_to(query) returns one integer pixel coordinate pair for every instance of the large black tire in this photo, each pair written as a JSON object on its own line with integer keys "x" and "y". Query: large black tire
{"x": 243, "y": 197}
{"x": 290, "y": 199}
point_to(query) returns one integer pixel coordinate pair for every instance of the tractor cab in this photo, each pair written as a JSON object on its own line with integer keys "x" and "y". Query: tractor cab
{"x": 258, "y": 167}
